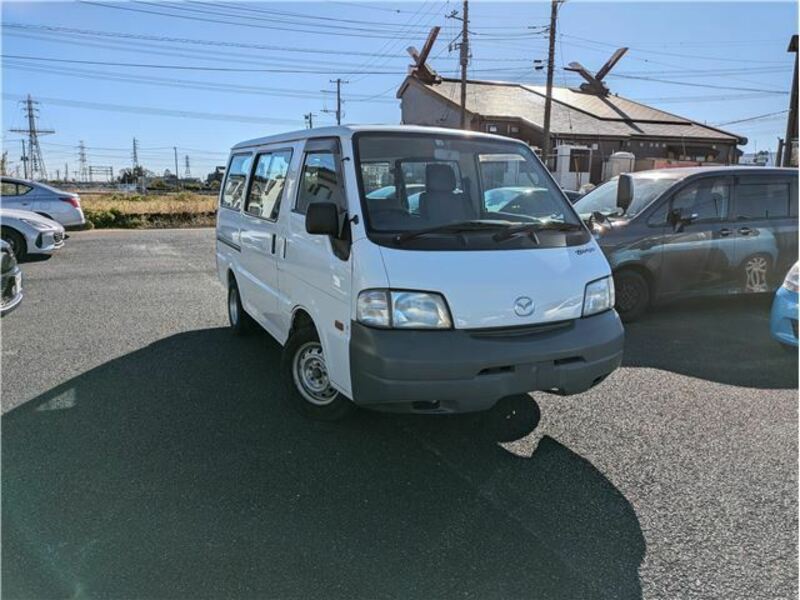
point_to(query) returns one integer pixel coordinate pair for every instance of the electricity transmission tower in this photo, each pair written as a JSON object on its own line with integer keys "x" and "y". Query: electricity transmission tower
{"x": 37, "y": 168}
{"x": 135, "y": 155}
{"x": 187, "y": 173}
{"x": 83, "y": 173}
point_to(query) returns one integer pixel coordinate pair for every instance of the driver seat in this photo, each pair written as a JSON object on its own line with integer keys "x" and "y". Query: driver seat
{"x": 439, "y": 203}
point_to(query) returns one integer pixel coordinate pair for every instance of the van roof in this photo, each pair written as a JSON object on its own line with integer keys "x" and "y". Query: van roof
{"x": 347, "y": 131}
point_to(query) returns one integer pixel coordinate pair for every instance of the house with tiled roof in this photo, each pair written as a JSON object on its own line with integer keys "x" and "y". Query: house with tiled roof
{"x": 604, "y": 122}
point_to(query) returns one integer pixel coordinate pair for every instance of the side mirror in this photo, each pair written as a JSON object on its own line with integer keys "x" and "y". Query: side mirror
{"x": 624, "y": 192}
{"x": 322, "y": 218}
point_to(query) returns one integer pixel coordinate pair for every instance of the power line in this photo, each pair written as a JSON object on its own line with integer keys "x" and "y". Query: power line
{"x": 247, "y": 23}
{"x": 701, "y": 85}
{"x": 152, "y": 110}
{"x": 225, "y": 88}
{"x": 756, "y": 118}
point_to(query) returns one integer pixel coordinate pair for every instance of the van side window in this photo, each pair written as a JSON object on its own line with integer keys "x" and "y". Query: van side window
{"x": 708, "y": 199}
{"x": 761, "y": 199}
{"x": 263, "y": 199}
{"x": 235, "y": 180}
{"x": 319, "y": 182}
{"x": 8, "y": 189}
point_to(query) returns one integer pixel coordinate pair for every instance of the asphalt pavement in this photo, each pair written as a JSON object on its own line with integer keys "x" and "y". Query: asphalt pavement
{"x": 149, "y": 453}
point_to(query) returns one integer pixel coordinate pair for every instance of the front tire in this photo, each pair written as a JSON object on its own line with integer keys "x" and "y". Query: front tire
{"x": 17, "y": 243}
{"x": 305, "y": 376}
{"x": 633, "y": 295}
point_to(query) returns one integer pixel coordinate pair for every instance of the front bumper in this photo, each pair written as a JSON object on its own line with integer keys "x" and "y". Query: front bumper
{"x": 10, "y": 290}
{"x": 783, "y": 318}
{"x": 47, "y": 242}
{"x": 466, "y": 370}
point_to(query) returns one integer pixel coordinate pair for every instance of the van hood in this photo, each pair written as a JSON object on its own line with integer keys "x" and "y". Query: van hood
{"x": 482, "y": 288}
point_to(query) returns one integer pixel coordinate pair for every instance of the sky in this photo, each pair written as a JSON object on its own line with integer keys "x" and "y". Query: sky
{"x": 203, "y": 75}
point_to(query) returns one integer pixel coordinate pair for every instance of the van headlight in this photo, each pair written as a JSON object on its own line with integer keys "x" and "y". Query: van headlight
{"x": 403, "y": 310}
{"x": 598, "y": 296}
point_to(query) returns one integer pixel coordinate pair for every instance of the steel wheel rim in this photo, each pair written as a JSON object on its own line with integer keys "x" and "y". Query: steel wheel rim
{"x": 311, "y": 375}
{"x": 233, "y": 307}
{"x": 756, "y": 272}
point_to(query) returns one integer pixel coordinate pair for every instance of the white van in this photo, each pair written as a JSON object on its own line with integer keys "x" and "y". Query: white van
{"x": 413, "y": 269}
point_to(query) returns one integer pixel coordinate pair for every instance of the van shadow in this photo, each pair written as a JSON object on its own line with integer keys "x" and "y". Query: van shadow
{"x": 177, "y": 471}
{"x": 725, "y": 340}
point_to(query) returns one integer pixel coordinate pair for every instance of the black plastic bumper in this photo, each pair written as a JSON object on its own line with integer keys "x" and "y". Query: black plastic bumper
{"x": 468, "y": 370}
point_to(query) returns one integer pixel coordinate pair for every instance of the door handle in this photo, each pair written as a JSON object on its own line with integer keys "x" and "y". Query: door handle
{"x": 274, "y": 237}
{"x": 724, "y": 232}
{"x": 745, "y": 230}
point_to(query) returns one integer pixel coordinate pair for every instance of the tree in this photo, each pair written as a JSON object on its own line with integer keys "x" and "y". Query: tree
{"x": 131, "y": 175}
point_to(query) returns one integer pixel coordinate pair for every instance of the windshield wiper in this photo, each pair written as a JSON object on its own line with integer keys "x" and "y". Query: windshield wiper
{"x": 532, "y": 228}
{"x": 450, "y": 228}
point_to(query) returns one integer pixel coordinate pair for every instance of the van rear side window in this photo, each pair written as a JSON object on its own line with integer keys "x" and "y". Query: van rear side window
{"x": 235, "y": 181}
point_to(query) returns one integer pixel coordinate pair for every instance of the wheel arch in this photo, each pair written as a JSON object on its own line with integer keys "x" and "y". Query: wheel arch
{"x": 642, "y": 270}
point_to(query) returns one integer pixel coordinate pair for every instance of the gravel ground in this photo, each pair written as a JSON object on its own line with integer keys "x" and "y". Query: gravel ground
{"x": 147, "y": 453}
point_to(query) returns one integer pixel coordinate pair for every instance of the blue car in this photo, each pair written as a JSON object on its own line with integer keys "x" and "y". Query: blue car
{"x": 783, "y": 320}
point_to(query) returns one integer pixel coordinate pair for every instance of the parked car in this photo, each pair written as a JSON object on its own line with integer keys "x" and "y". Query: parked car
{"x": 55, "y": 204}
{"x": 783, "y": 319}
{"x": 29, "y": 233}
{"x": 447, "y": 307}
{"x": 10, "y": 280}
{"x": 694, "y": 231}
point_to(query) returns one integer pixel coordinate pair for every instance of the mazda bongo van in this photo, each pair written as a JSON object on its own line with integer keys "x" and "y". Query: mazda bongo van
{"x": 413, "y": 269}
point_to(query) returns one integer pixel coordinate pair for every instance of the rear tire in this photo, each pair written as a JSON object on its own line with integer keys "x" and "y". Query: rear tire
{"x": 305, "y": 378}
{"x": 16, "y": 241}
{"x": 241, "y": 322}
{"x": 633, "y": 295}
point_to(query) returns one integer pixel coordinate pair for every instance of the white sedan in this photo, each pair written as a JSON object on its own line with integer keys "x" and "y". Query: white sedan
{"x": 30, "y": 233}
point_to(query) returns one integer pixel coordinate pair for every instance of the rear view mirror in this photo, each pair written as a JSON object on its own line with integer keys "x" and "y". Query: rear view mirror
{"x": 624, "y": 192}
{"x": 322, "y": 218}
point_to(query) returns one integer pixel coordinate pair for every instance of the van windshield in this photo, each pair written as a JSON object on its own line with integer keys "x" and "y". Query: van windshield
{"x": 418, "y": 185}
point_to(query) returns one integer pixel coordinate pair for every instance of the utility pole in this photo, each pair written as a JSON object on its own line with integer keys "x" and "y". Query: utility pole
{"x": 791, "y": 120}
{"x": 309, "y": 119}
{"x": 24, "y": 159}
{"x": 177, "y": 174}
{"x": 464, "y": 62}
{"x": 338, "y": 81}
{"x": 187, "y": 173}
{"x": 548, "y": 101}
{"x": 34, "y": 150}
{"x": 82, "y": 161}
{"x": 66, "y": 172}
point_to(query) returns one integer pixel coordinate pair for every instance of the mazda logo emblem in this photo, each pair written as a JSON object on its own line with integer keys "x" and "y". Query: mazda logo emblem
{"x": 523, "y": 306}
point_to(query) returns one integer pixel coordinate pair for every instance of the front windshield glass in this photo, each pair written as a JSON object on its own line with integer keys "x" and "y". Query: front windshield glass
{"x": 603, "y": 199}
{"x": 418, "y": 182}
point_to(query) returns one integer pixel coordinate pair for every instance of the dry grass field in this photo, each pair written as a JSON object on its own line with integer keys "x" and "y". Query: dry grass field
{"x": 181, "y": 202}
{"x": 131, "y": 211}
